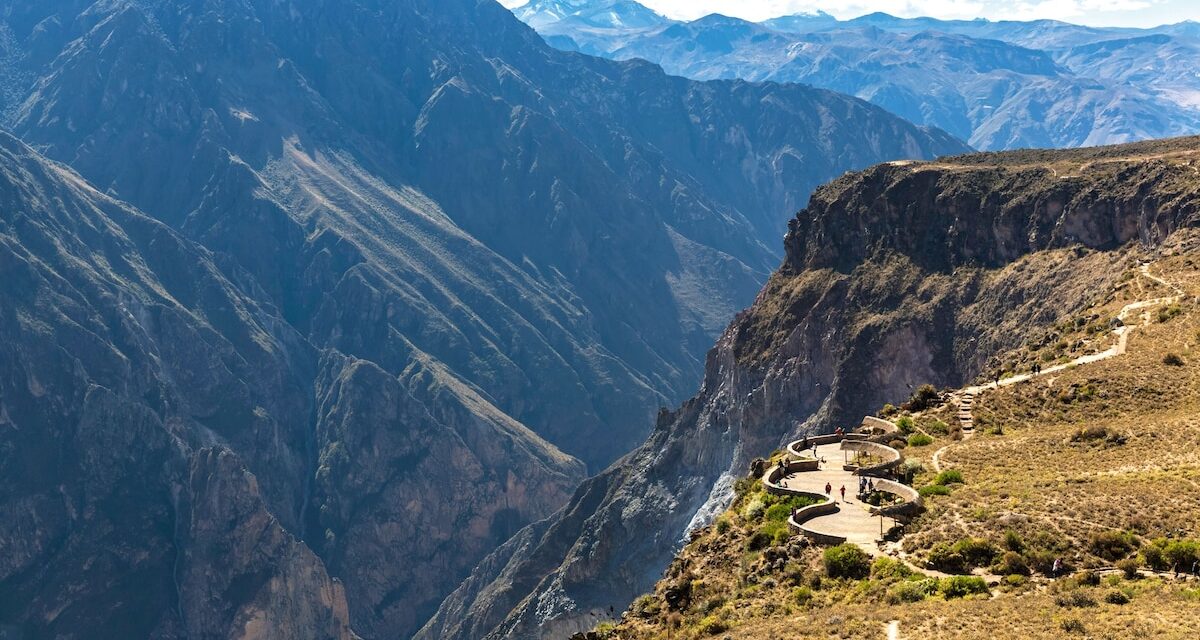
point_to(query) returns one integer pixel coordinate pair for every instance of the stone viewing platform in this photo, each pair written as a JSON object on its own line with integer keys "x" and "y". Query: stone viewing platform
{"x": 836, "y": 464}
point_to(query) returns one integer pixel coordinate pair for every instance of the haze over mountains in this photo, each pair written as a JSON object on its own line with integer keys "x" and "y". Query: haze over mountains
{"x": 326, "y": 301}
{"x": 997, "y": 85}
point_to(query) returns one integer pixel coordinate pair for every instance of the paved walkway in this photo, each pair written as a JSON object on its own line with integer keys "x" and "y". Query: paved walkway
{"x": 852, "y": 521}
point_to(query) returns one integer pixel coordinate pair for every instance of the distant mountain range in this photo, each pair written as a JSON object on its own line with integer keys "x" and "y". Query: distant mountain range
{"x": 306, "y": 307}
{"x": 997, "y": 85}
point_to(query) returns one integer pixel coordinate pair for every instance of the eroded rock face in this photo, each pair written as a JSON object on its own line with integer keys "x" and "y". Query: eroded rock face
{"x": 126, "y": 353}
{"x": 895, "y": 277}
{"x": 524, "y": 252}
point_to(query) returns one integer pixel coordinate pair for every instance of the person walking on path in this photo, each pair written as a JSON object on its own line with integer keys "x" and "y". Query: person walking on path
{"x": 843, "y": 493}
{"x": 828, "y": 488}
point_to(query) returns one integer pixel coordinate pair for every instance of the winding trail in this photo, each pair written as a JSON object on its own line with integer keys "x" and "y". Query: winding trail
{"x": 965, "y": 398}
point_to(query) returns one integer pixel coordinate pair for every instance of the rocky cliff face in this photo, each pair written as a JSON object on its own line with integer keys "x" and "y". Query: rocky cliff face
{"x": 132, "y": 369}
{"x": 901, "y": 275}
{"x": 408, "y": 256}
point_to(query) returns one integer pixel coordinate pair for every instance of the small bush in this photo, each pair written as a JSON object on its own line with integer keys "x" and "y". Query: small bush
{"x": 847, "y": 561}
{"x": 1072, "y": 625}
{"x": 889, "y": 569}
{"x": 949, "y": 477}
{"x": 905, "y": 424}
{"x": 1116, "y": 597}
{"x": 1011, "y": 563}
{"x": 1113, "y": 545}
{"x": 907, "y": 591}
{"x": 711, "y": 626}
{"x": 778, "y": 513}
{"x": 933, "y": 490}
{"x": 1076, "y": 599}
{"x": 1168, "y": 313}
{"x": 722, "y": 525}
{"x": 925, "y": 397}
{"x": 1172, "y": 360}
{"x": 754, "y": 509}
{"x": 759, "y": 540}
{"x": 1087, "y": 578}
{"x": 919, "y": 440}
{"x": 1129, "y": 568}
{"x": 962, "y": 556}
{"x": 1013, "y": 541}
{"x": 888, "y": 410}
{"x": 962, "y": 586}
{"x": 938, "y": 428}
{"x": 645, "y": 607}
{"x": 802, "y": 595}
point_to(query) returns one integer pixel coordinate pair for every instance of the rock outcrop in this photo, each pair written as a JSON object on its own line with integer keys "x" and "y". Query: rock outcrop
{"x": 898, "y": 276}
{"x": 414, "y": 269}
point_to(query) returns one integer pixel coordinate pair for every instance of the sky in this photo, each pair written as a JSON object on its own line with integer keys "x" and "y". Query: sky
{"x": 1127, "y": 13}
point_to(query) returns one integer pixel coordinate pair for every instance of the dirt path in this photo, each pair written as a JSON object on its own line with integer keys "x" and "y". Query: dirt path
{"x": 965, "y": 398}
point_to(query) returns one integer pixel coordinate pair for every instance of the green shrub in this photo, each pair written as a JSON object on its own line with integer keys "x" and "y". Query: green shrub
{"x": 962, "y": 556}
{"x": 778, "y": 513}
{"x": 1116, "y": 597}
{"x": 919, "y": 440}
{"x": 905, "y": 424}
{"x": 759, "y": 540}
{"x": 1013, "y": 541}
{"x": 1011, "y": 563}
{"x": 711, "y": 626}
{"x": 754, "y": 509}
{"x": 949, "y": 477}
{"x": 938, "y": 428}
{"x": 925, "y": 397}
{"x": 908, "y": 591}
{"x": 1129, "y": 568}
{"x": 645, "y": 607}
{"x": 1072, "y": 625}
{"x": 889, "y": 569}
{"x": 962, "y": 586}
{"x": 1113, "y": 545}
{"x": 1075, "y": 599}
{"x": 802, "y": 595}
{"x": 933, "y": 490}
{"x": 722, "y": 525}
{"x": 847, "y": 561}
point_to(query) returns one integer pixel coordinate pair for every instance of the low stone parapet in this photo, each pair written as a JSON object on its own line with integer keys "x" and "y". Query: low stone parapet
{"x": 887, "y": 426}
{"x": 911, "y": 504}
{"x": 891, "y": 458}
{"x": 801, "y": 516}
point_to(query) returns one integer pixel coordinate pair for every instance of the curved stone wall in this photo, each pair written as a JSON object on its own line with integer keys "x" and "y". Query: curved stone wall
{"x": 773, "y": 475}
{"x": 797, "y": 520}
{"x": 891, "y": 457}
{"x": 912, "y": 502}
{"x": 795, "y": 451}
{"x": 879, "y": 423}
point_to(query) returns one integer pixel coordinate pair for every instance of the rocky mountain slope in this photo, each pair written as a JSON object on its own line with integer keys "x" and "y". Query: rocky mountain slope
{"x": 902, "y": 275}
{"x": 998, "y": 85}
{"x": 489, "y": 262}
{"x": 139, "y": 386}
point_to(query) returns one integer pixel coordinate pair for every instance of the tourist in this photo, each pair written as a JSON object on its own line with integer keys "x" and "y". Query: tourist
{"x": 843, "y": 493}
{"x": 828, "y": 488}
{"x": 1054, "y": 570}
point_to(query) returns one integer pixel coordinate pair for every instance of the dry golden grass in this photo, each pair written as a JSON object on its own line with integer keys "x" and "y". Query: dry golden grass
{"x": 1109, "y": 446}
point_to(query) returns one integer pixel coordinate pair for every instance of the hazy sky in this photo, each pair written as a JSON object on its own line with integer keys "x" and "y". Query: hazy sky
{"x": 1132, "y": 13}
